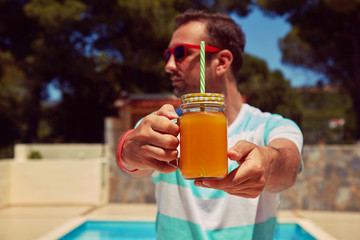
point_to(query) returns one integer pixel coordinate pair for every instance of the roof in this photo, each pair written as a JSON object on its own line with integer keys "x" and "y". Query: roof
{"x": 147, "y": 100}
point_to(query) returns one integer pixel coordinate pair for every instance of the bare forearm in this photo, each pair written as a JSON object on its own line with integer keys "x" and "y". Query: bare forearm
{"x": 284, "y": 167}
{"x": 139, "y": 173}
{"x": 126, "y": 162}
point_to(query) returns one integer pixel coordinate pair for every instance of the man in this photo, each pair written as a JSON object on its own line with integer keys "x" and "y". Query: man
{"x": 264, "y": 149}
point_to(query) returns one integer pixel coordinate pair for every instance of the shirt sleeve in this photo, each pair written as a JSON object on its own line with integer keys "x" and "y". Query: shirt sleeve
{"x": 279, "y": 127}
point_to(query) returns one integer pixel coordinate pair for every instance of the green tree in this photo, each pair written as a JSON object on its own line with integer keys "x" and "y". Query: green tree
{"x": 322, "y": 105}
{"x": 12, "y": 93}
{"x": 91, "y": 51}
{"x": 17, "y": 58}
{"x": 268, "y": 90}
{"x": 325, "y": 37}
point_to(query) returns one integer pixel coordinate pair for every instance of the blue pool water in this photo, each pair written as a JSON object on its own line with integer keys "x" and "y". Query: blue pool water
{"x": 109, "y": 230}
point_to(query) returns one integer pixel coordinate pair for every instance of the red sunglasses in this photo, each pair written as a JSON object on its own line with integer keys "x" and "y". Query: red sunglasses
{"x": 180, "y": 51}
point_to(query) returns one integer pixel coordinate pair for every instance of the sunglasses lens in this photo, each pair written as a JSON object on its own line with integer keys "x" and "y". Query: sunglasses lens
{"x": 167, "y": 55}
{"x": 179, "y": 53}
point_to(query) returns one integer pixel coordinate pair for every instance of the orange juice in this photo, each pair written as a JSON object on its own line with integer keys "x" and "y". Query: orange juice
{"x": 203, "y": 145}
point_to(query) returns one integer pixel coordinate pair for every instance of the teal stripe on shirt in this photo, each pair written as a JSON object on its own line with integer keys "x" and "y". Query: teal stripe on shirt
{"x": 277, "y": 121}
{"x": 242, "y": 125}
{"x": 178, "y": 229}
{"x": 175, "y": 178}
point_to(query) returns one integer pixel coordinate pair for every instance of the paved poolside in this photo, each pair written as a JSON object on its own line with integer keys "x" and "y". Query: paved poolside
{"x": 40, "y": 222}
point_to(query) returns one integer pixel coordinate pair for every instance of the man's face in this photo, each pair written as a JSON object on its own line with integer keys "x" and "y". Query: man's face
{"x": 185, "y": 75}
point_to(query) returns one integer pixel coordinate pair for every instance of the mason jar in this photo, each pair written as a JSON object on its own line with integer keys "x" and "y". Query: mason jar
{"x": 203, "y": 136}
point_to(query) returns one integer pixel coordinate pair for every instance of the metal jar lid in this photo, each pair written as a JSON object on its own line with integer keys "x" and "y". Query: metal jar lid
{"x": 203, "y": 98}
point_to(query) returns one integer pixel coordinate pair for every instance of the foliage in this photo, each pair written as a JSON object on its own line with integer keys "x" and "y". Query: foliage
{"x": 322, "y": 105}
{"x": 91, "y": 51}
{"x": 268, "y": 90}
{"x": 12, "y": 94}
{"x": 34, "y": 154}
{"x": 325, "y": 37}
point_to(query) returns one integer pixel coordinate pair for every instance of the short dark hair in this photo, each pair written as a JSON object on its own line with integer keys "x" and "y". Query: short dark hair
{"x": 223, "y": 33}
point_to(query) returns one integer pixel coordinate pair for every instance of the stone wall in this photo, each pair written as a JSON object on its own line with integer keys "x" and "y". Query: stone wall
{"x": 330, "y": 180}
{"x": 123, "y": 188}
{"x": 126, "y": 189}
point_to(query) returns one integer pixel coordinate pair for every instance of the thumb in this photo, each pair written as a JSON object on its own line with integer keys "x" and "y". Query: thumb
{"x": 233, "y": 154}
{"x": 168, "y": 111}
{"x": 240, "y": 150}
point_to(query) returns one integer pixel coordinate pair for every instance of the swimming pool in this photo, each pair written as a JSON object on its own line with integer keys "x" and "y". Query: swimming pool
{"x": 131, "y": 230}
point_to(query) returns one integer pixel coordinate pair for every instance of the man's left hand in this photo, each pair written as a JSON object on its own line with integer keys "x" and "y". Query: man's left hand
{"x": 249, "y": 179}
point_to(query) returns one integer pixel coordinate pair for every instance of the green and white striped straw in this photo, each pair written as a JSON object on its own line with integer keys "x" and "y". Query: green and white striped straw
{"x": 202, "y": 67}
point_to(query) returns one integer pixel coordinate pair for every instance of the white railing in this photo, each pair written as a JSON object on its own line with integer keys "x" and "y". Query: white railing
{"x": 59, "y": 177}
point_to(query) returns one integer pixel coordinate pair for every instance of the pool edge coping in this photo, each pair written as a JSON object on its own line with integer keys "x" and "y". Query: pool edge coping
{"x": 61, "y": 230}
{"x": 73, "y": 223}
{"x": 315, "y": 230}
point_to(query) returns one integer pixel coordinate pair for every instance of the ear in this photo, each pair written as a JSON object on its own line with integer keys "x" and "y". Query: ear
{"x": 225, "y": 58}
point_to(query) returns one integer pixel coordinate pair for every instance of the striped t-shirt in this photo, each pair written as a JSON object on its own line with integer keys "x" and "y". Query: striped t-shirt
{"x": 189, "y": 212}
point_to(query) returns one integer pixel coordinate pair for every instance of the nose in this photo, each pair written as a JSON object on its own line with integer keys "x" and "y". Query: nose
{"x": 171, "y": 65}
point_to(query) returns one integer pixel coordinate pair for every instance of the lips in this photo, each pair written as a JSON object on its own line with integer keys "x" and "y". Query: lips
{"x": 176, "y": 79}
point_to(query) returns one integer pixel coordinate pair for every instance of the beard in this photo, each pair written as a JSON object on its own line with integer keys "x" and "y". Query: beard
{"x": 181, "y": 88}
{"x": 177, "y": 92}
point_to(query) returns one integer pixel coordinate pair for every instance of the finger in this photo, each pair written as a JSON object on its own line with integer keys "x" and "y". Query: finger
{"x": 160, "y": 154}
{"x": 164, "y": 125}
{"x": 148, "y": 136}
{"x": 215, "y": 184}
{"x": 240, "y": 150}
{"x": 160, "y": 166}
{"x": 234, "y": 179}
{"x": 247, "y": 189}
{"x": 165, "y": 141}
{"x": 168, "y": 111}
{"x": 242, "y": 190}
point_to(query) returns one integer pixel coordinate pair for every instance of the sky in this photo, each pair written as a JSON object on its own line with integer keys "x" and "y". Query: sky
{"x": 262, "y": 36}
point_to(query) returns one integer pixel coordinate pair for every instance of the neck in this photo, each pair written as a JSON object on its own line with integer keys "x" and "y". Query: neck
{"x": 233, "y": 101}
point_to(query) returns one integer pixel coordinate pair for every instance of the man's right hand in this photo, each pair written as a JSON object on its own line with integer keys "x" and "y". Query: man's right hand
{"x": 153, "y": 143}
